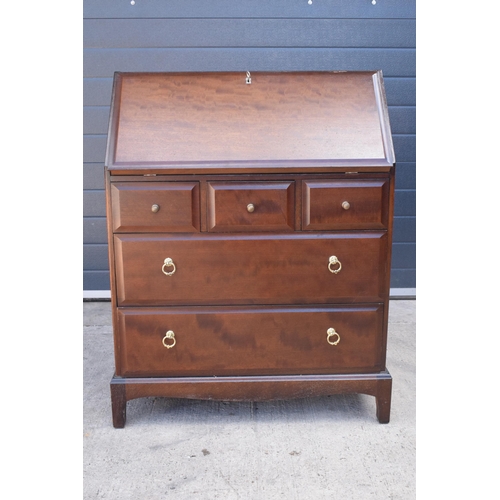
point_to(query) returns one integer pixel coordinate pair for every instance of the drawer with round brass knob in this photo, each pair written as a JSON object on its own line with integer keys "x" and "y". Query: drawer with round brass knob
{"x": 344, "y": 204}
{"x": 155, "y": 206}
{"x": 251, "y": 206}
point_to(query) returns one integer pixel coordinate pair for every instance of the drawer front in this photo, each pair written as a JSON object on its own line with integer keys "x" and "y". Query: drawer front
{"x": 250, "y": 269}
{"x": 155, "y": 206}
{"x": 246, "y": 341}
{"x": 342, "y": 204}
{"x": 251, "y": 206}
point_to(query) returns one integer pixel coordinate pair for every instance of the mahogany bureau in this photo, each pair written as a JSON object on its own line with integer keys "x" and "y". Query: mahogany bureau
{"x": 250, "y": 228}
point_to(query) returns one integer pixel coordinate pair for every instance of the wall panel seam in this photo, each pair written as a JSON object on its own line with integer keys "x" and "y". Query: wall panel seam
{"x": 253, "y": 47}
{"x": 251, "y": 18}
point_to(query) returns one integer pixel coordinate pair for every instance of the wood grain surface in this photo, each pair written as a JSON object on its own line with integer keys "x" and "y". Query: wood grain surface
{"x": 250, "y": 341}
{"x": 250, "y": 269}
{"x": 219, "y": 118}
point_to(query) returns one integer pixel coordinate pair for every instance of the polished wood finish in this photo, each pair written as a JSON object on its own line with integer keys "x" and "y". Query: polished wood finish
{"x": 272, "y": 206}
{"x": 262, "y": 340}
{"x": 118, "y": 404}
{"x": 177, "y": 206}
{"x": 265, "y": 269}
{"x": 344, "y": 204}
{"x": 312, "y": 119}
{"x": 256, "y": 388}
{"x": 249, "y": 190}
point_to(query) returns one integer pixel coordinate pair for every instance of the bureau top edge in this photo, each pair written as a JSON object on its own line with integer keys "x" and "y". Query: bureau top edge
{"x": 247, "y": 168}
{"x": 276, "y": 120}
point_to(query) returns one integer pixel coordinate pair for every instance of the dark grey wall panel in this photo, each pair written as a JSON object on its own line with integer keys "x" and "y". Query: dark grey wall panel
{"x": 94, "y": 148}
{"x": 404, "y": 229}
{"x": 94, "y": 203}
{"x": 404, "y": 255}
{"x": 403, "y": 119}
{"x": 405, "y": 175}
{"x": 93, "y": 175}
{"x": 402, "y": 278}
{"x": 248, "y": 9}
{"x": 103, "y": 62}
{"x": 95, "y": 119}
{"x": 95, "y": 257}
{"x": 175, "y": 33}
{"x": 405, "y": 147}
{"x": 94, "y": 230}
{"x": 95, "y": 280}
{"x": 97, "y": 91}
{"x": 404, "y": 202}
{"x": 403, "y": 273}
{"x": 400, "y": 91}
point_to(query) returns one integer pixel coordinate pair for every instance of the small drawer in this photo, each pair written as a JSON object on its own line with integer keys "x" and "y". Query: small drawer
{"x": 155, "y": 206}
{"x": 219, "y": 341}
{"x": 251, "y": 206}
{"x": 345, "y": 204}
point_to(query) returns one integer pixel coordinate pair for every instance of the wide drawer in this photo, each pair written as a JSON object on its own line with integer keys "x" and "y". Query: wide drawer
{"x": 155, "y": 206}
{"x": 250, "y": 269}
{"x": 252, "y": 340}
{"x": 345, "y": 204}
{"x": 251, "y": 206}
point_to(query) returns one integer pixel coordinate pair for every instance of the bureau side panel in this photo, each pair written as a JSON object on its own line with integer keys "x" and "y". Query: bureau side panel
{"x": 112, "y": 267}
{"x": 387, "y": 263}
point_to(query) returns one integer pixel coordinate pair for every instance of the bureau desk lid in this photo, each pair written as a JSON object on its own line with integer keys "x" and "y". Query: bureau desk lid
{"x": 239, "y": 121}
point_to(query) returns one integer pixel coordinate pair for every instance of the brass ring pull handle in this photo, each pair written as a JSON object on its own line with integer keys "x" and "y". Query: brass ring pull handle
{"x": 168, "y": 262}
{"x": 332, "y": 261}
{"x": 169, "y": 336}
{"x": 330, "y": 333}
{"x": 155, "y": 208}
{"x": 250, "y": 207}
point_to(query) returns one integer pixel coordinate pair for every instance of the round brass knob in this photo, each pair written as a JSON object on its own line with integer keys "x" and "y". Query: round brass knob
{"x": 346, "y": 205}
{"x": 169, "y": 336}
{"x": 168, "y": 262}
{"x": 155, "y": 208}
{"x": 250, "y": 207}
{"x": 330, "y": 333}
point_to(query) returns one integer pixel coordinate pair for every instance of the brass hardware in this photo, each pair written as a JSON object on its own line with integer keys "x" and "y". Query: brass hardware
{"x": 329, "y": 333}
{"x": 250, "y": 207}
{"x": 155, "y": 208}
{"x": 332, "y": 261}
{"x": 168, "y": 262}
{"x": 346, "y": 205}
{"x": 170, "y": 335}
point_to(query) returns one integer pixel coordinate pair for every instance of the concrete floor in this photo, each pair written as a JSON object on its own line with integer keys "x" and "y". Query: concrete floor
{"x": 317, "y": 448}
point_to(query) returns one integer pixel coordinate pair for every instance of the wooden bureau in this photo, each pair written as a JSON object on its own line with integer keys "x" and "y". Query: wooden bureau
{"x": 250, "y": 229}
